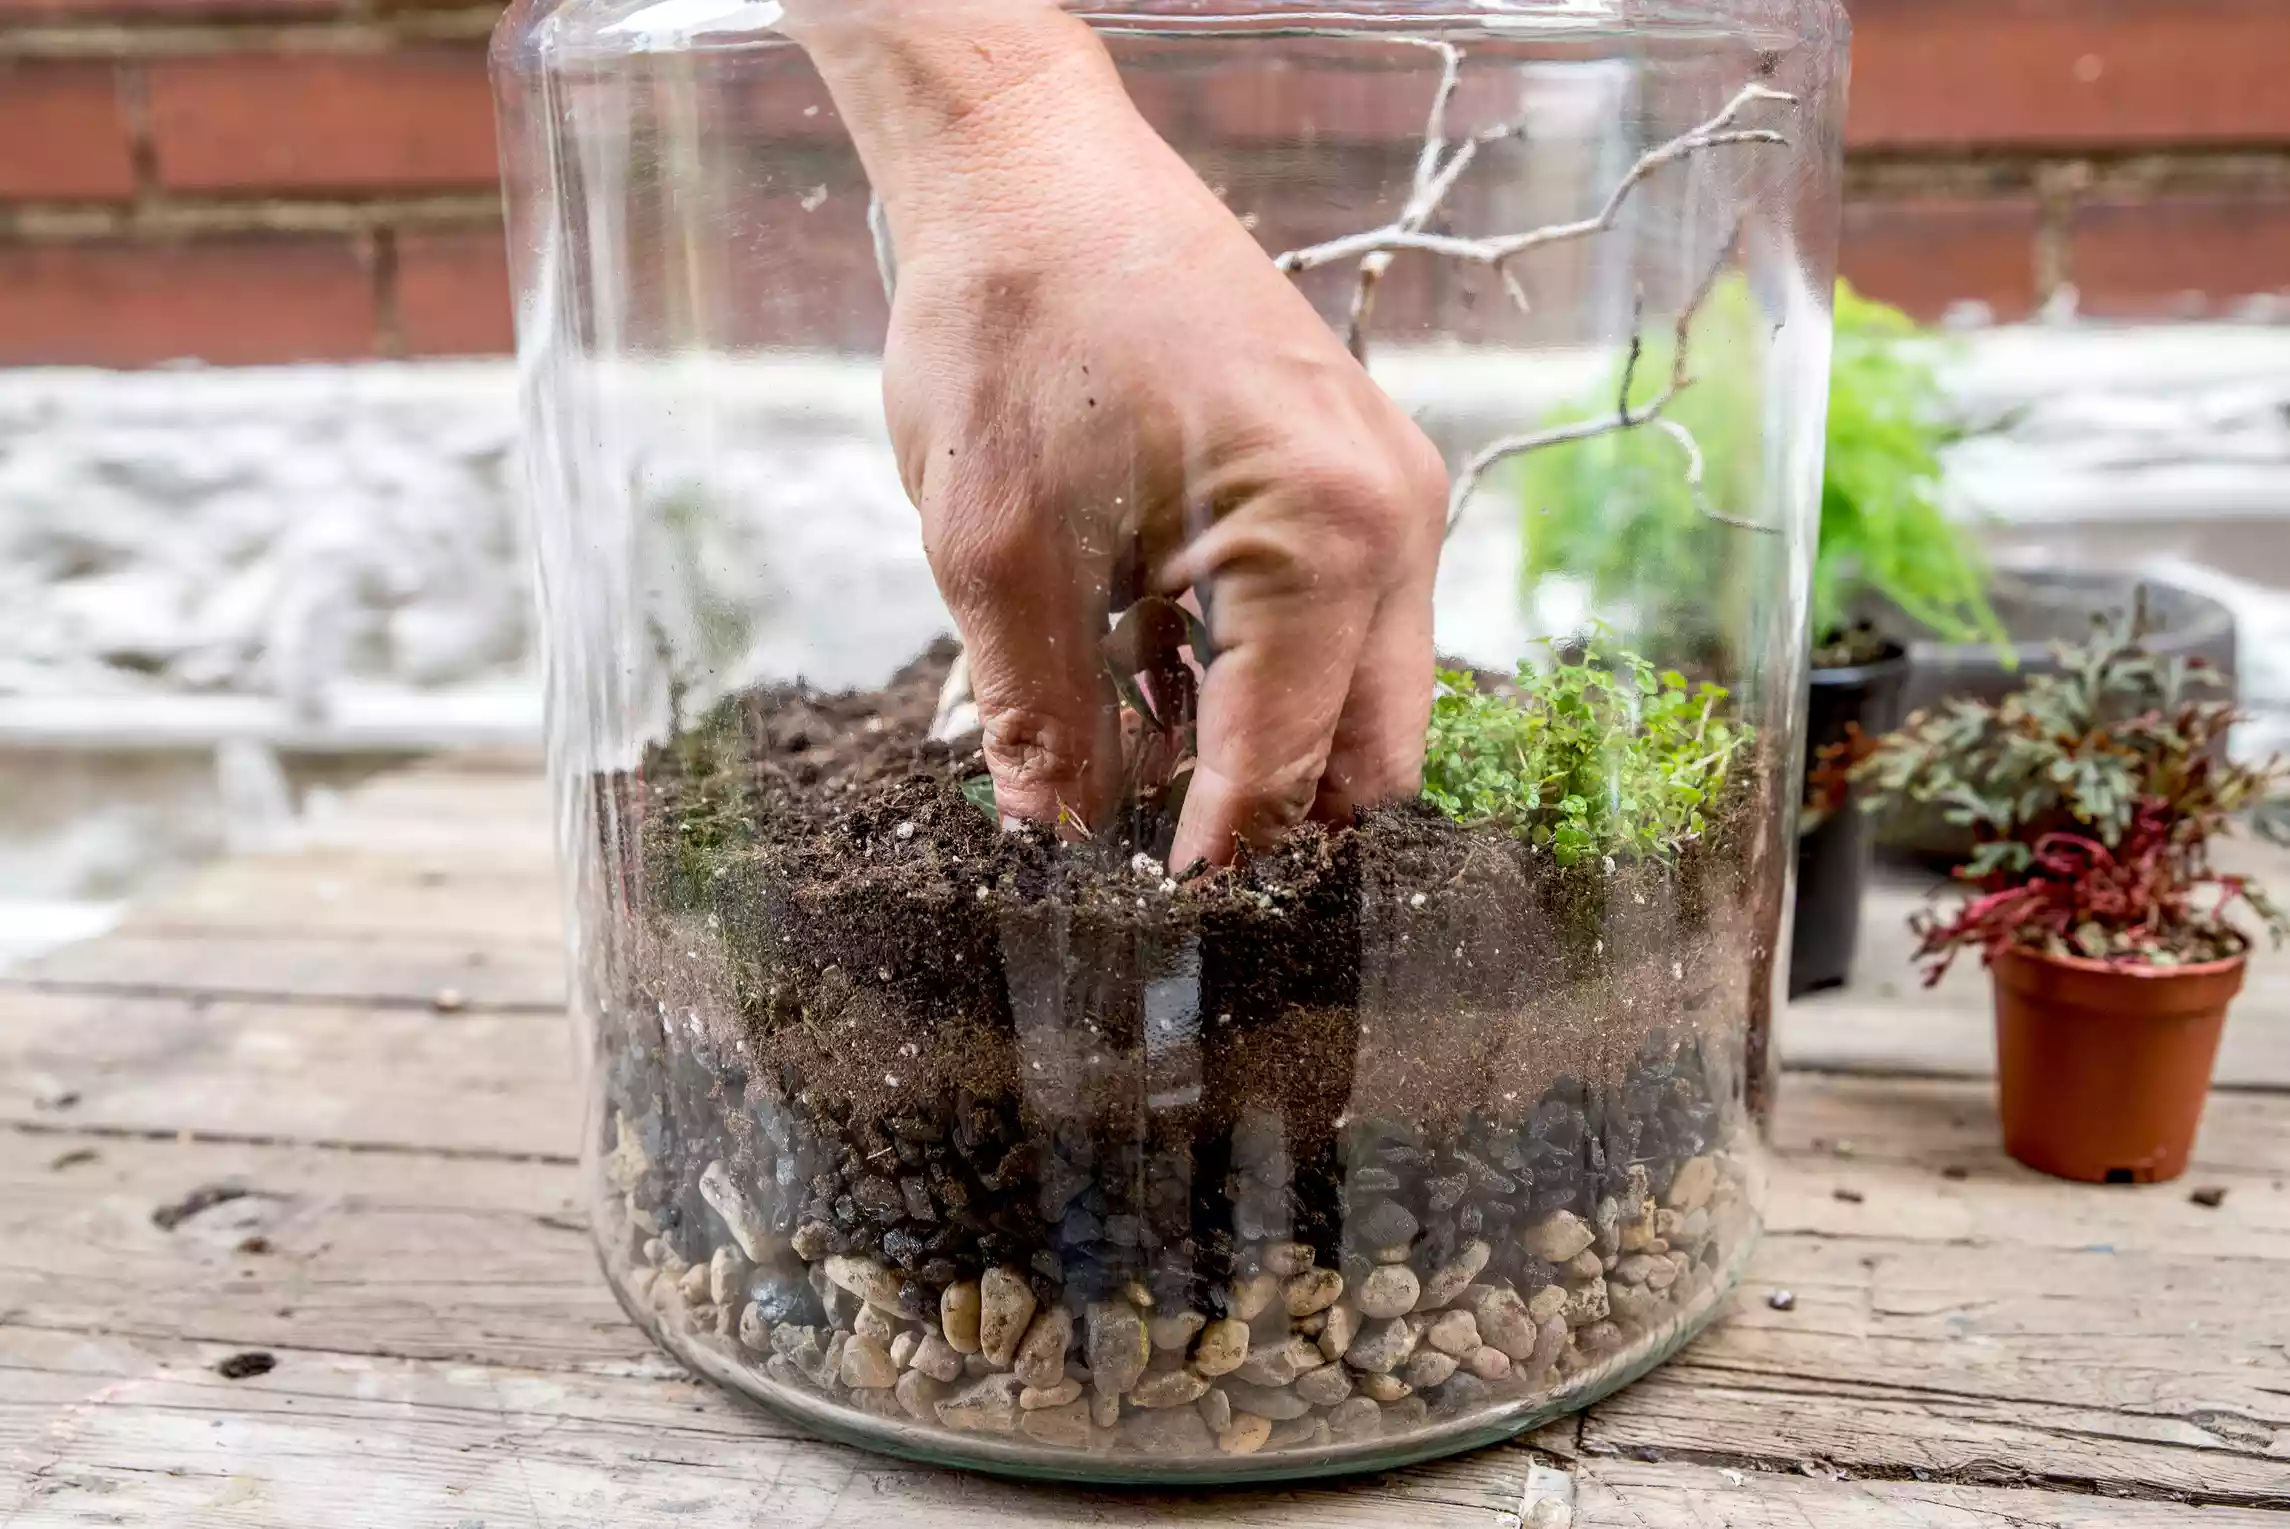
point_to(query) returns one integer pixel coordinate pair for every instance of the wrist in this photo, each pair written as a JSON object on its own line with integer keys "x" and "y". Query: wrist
{"x": 931, "y": 90}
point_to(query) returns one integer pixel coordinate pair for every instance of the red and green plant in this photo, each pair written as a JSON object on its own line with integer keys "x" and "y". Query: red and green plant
{"x": 2094, "y": 796}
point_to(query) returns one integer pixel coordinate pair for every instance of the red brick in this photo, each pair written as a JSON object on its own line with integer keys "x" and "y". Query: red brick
{"x": 2074, "y": 74}
{"x": 63, "y": 133}
{"x": 230, "y": 301}
{"x": 413, "y": 120}
{"x": 1305, "y": 98}
{"x": 53, "y": 12}
{"x": 2179, "y": 255}
{"x": 1926, "y": 253}
{"x": 453, "y": 294}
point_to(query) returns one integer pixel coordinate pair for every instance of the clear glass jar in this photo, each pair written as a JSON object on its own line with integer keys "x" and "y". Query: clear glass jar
{"x": 1003, "y": 1143}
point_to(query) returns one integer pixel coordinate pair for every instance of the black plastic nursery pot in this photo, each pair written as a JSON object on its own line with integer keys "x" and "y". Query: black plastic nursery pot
{"x": 1833, "y": 859}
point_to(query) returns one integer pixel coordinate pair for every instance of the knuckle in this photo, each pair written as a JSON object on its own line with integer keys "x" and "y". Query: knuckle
{"x": 1031, "y": 749}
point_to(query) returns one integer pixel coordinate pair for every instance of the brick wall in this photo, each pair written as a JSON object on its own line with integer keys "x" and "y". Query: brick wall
{"x": 260, "y": 180}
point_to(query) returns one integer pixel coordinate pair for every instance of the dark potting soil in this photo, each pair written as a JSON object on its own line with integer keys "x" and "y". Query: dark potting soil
{"x": 946, "y": 1044}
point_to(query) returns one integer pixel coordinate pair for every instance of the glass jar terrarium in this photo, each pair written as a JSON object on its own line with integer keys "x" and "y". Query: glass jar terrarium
{"x": 1005, "y": 1137}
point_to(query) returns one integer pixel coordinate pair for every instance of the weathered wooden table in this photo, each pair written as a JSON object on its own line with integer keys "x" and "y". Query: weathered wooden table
{"x": 317, "y": 1105}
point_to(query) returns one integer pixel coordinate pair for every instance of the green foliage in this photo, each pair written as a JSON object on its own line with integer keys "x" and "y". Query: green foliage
{"x": 1617, "y": 509}
{"x": 1602, "y": 757}
{"x": 2093, "y": 796}
{"x": 1882, "y": 528}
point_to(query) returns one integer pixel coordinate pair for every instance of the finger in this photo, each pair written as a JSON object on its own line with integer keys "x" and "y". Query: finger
{"x": 1032, "y": 614}
{"x": 1376, "y": 755}
{"x": 1288, "y": 644}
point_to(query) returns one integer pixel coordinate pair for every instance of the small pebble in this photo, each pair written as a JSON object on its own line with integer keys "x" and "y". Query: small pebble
{"x": 1040, "y": 1358}
{"x": 1005, "y": 1309}
{"x": 1357, "y": 1418}
{"x": 1384, "y": 1388}
{"x": 903, "y": 1347}
{"x": 1275, "y": 1402}
{"x": 1168, "y": 1431}
{"x": 449, "y": 1000}
{"x": 864, "y": 1278}
{"x": 1037, "y": 1398}
{"x": 1324, "y": 1387}
{"x": 1508, "y": 1323}
{"x": 1176, "y": 1330}
{"x": 1063, "y": 1427}
{"x": 1315, "y": 1290}
{"x": 1168, "y": 1388}
{"x": 867, "y": 1366}
{"x": 1849, "y": 1196}
{"x": 2210, "y": 1196}
{"x": 1288, "y": 1259}
{"x": 1390, "y": 1291}
{"x": 873, "y": 1322}
{"x": 1117, "y": 1347}
{"x": 1246, "y": 1436}
{"x": 1299, "y": 1433}
{"x": 1691, "y": 1186}
{"x": 1336, "y": 1333}
{"x": 1558, "y": 1237}
{"x": 1216, "y": 1410}
{"x": 1428, "y": 1367}
{"x": 1223, "y": 1347}
{"x": 984, "y": 1406}
{"x": 1253, "y": 1296}
{"x": 1956, "y": 1171}
{"x": 920, "y": 1394}
{"x": 1280, "y": 1363}
{"x": 1489, "y": 1363}
{"x": 1104, "y": 1408}
{"x": 1453, "y": 1277}
{"x": 958, "y": 1316}
{"x": 1782, "y": 1300}
{"x": 1455, "y": 1332}
{"x": 247, "y": 1365}
{"x": 1383, "y": 1346}
{"x": 937, "y": 1358}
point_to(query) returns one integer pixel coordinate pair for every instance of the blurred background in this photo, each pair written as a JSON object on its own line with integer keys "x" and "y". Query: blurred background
{"x": 258, "y": 535}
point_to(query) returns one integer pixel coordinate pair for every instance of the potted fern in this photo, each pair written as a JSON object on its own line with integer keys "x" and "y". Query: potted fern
{"x": 2094, "y": 796}
{"x": 1890, "y": 565}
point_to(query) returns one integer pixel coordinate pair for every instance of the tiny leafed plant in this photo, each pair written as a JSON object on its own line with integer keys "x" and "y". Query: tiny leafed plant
{"x": 2093, "y": 796}
{"x": 1602, "y": 756}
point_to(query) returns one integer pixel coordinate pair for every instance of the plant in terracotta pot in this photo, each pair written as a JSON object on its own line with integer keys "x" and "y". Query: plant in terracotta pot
{"x": 2094, "y": 797}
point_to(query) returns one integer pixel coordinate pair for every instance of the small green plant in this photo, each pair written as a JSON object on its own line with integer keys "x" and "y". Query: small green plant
{"x": 1619, "y": 511}
{"x": 2093, "y": 795}
{"x": 1604, "y": 756}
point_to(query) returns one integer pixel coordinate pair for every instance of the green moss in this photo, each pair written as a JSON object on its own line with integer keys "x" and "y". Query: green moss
{"x": 1607, "y": 756}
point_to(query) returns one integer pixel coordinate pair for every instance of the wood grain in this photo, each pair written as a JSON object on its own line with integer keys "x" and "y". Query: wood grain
{"x": 365, "y": 1076}
{"x": 1621, "y": 1494}
{"x": 143, "y": 1432}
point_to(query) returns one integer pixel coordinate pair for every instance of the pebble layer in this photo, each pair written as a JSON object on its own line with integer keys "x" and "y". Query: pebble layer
{"x": 1022, "y": 1303}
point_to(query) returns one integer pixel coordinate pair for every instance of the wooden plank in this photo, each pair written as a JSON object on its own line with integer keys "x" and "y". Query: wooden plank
{"x": 1628, "y": 1494}
{"x": 1943, "y": 1124}
{"x": 2074, "y": 1340}
{"x": 388, "y": 1077}
{"x": 405, "y": 1254}
{"x": 136, "y": 1431}
{"x": 487, "y": 974}
{"x": 2107, "y": 1369}
{"x": 375, "y": 896}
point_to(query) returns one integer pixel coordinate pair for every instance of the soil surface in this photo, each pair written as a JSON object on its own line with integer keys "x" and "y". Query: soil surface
{"x": 883, "y": 940}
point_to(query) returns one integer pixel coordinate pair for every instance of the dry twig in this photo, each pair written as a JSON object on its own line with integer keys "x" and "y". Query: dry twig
{"x": 1438, "y": 167}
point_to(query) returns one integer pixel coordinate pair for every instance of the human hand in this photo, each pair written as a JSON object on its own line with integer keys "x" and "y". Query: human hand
{"x": 1099, "y": 386}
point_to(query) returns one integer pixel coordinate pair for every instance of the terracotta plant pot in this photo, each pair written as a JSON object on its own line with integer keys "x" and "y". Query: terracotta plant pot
{"x": 2101, "y": 1069}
